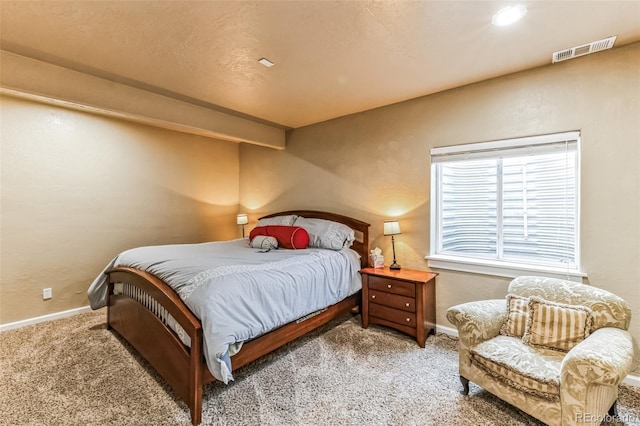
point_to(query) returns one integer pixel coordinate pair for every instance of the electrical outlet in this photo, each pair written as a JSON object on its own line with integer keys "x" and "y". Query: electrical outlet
{"x": 47, "y": 293}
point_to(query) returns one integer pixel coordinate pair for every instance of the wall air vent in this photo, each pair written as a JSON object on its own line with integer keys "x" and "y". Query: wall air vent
{"x": 585, "y": 49}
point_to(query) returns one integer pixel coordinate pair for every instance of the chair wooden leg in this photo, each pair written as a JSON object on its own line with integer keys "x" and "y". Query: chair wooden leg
{"x": 613, "y": 411}
{"x": 465, "y": 385}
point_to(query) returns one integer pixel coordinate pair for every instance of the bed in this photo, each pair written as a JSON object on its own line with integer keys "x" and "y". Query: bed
{"x": 151, "y": 315}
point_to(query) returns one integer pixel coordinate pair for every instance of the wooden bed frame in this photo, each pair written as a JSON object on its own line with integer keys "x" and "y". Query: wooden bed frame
{"x": 183, "y": 367}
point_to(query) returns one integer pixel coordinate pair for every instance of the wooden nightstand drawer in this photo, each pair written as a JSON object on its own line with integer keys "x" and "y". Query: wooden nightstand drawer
{"x": 392, "y": 300}
{"x": 395, "y": 315}
{"x": 392, "y": 286}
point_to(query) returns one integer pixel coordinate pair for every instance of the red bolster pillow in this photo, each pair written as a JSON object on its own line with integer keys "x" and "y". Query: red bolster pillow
{"x": 290, "y": 237}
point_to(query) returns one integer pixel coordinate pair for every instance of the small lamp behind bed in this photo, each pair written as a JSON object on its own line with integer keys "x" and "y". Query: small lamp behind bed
{"x": 242, "y": 220}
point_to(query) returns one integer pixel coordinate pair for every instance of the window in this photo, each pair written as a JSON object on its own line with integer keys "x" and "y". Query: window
{"x": 507, "y": 207}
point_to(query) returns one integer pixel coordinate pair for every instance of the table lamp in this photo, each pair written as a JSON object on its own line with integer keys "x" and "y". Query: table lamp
{"x": 242, "y": 220}
{"x": 392, "y": 227}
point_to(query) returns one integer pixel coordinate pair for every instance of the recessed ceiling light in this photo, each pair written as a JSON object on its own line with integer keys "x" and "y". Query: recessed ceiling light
{"x": 508, "y": 15}
{"x": 267, "y": 63}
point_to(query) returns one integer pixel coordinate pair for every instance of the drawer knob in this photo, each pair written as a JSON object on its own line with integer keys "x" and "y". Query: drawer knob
{"x": 388, "y": 285}
{"x": 373, "y": 297}
{"x": 406, "y": 304}
{"x": 408, "y": 319}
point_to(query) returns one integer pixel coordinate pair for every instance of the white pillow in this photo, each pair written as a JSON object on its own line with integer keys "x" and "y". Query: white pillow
{"x": 278, "y": 220}
{"x": 326, "y": 234}
{"x": 264, "y": 242}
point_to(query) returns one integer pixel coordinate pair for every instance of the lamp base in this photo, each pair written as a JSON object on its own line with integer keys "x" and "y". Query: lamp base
{"x": 394, "y": 265}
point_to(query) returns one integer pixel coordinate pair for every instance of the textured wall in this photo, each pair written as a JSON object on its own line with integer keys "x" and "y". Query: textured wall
{"x": 375, "y": 164}
{"x": 79, "y": 188}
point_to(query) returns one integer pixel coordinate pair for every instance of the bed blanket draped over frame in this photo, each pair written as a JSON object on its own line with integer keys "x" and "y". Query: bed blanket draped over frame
{"x": 238, "y": 292}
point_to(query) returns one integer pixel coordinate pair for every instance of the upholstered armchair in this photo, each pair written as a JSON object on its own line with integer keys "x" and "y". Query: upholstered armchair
{"x": 555, "y": 349}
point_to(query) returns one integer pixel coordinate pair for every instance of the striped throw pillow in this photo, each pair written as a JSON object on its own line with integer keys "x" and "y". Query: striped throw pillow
{"x": 556, "y": 326}
{"x": 517, "y": 310}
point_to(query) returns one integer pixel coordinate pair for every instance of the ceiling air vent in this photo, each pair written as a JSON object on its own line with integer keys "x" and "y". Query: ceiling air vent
{"x": 585, "y": 49}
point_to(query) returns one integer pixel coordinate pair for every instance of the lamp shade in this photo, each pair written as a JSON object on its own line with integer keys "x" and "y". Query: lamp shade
{"x": 391, "y": 227}
{"x": 242, "y": 219}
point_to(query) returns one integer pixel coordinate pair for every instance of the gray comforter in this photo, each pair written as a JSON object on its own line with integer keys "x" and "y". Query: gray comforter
{"x": 238, "y": 292}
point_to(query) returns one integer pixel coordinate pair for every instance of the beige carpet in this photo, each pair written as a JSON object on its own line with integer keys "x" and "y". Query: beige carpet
{"x": 75, "y": 372}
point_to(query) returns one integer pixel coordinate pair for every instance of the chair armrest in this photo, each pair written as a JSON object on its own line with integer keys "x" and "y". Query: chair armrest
{"x": 478, "y": 321}
{"x": 604, "y": 358}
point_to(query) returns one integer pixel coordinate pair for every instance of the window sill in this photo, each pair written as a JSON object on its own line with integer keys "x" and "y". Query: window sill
{"x": 500, "y": 269}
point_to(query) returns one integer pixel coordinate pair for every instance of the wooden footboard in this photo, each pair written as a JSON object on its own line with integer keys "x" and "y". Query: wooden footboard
{"x": 179, "y": 365}
{"x": 184, "y": 368}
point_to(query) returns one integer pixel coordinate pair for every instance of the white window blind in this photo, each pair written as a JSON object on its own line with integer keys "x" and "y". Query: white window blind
{"x": 512, "y": 201}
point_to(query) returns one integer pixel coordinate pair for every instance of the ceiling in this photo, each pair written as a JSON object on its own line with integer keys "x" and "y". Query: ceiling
{"x": 332, "y": 58}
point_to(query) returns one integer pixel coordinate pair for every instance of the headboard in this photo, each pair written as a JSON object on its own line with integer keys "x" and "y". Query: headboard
{"x": 361, "y": 229}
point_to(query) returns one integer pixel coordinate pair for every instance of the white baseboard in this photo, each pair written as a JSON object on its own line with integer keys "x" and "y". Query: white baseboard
{"x": 630, "y": 380}
{"x": 447, "y": 330}
{"x": 49, "y": 317}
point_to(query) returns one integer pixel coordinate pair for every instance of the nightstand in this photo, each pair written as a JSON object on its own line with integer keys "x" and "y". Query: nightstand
{"x": 403, "y": 299}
